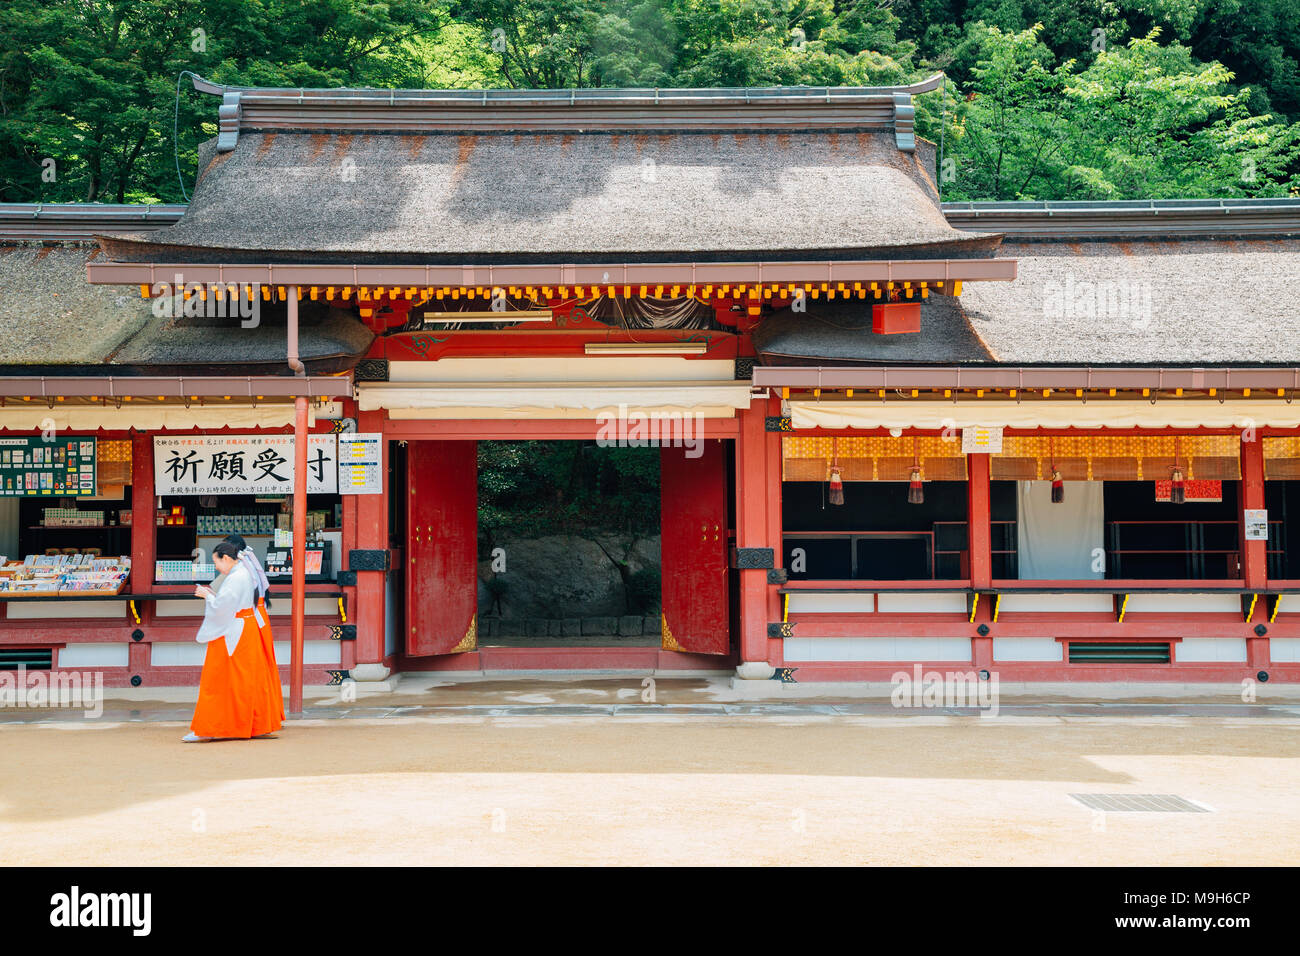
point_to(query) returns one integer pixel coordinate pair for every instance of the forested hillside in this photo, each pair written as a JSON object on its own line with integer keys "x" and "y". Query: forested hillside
{"x": 1045, "y": 99}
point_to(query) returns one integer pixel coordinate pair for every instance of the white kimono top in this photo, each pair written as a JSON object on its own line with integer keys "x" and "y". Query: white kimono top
{"x": 220, "y": 613}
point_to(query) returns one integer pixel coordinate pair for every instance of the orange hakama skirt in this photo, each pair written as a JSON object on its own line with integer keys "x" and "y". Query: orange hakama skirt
{"x": 234, "y": 696}
{"x": 268, "y": 649}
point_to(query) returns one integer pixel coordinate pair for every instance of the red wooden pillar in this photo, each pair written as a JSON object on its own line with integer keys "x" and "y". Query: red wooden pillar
{"x": 979, "y": 540}
{"x": 143, "y": 532}
{"x": 758, "y": 525}
{"x": 772, "y": 458}
{"x": 299, "y": 552}
{"x": 348, "y": 650}
{"x": 1254, "y": 554}
{"x": 143, "y": 545}
{"x": 371, "y": 533}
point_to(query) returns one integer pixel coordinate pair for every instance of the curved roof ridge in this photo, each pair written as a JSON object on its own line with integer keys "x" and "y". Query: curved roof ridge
{"x": 789, "y": 108}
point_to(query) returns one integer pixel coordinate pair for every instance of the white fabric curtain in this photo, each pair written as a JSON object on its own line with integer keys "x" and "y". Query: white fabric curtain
{"x": 590, "y": 398}
{"x": 1060, "y": 541}
{"x": 64, "y": 418}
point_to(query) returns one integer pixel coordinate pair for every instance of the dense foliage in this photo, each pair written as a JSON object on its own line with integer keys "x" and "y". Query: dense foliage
{"x": 1046, "y": 99}
{"x": 535, "y": 488}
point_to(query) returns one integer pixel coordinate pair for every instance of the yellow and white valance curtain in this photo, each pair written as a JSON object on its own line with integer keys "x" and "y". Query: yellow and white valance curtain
{"x": 1117, "y": 457}
{"x": 1282, "y": 458}
{"x": 872, "y": 458}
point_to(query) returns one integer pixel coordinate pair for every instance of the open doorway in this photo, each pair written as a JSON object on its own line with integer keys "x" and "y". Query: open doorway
{"x": 568, "y": 545}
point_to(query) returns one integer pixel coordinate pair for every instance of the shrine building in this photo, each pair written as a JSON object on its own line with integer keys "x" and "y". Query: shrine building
{"x": 1052, "y": 441}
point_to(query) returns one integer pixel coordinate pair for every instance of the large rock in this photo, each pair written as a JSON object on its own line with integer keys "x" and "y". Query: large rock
{"x": 599, "y": 626}
{"x": 563, "y": 576}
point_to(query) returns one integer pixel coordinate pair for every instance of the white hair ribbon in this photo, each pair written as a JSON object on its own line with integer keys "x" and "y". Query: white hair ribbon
{"x": 249, "y": 558}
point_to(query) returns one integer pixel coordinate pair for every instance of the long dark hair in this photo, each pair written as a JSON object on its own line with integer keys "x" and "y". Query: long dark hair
{"x": 226, "y": 550}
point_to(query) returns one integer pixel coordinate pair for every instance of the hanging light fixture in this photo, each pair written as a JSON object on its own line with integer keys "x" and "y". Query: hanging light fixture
{"x": 915, "y": 492}
{"x": 1058, "y": 486}
{"x": 1178, "y": 487}
{"x": 837, "y": 483}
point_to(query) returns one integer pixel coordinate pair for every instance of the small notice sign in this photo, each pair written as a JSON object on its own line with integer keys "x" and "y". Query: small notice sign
{"x": 63, "y": 467}
{"x": 979, "y": 439}
{"x": 361, "y": 463}
{"x": 1256, "y": 524}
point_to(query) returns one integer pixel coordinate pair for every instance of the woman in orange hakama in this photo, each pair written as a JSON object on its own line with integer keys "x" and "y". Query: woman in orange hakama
{"x": 234, "y": 701}
{"x": 275, "y": 690}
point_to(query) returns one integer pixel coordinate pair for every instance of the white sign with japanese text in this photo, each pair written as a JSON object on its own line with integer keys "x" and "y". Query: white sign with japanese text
{"x": 241, "y": 465}
{"x": 361, "y": 463}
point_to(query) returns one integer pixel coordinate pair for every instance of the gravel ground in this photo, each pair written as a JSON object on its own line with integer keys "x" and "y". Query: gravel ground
{"x": 531, "y": 786}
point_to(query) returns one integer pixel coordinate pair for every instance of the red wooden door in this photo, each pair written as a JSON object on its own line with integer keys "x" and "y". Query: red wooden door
{"x": 693, "y": 543}
{"x": 442, "y": 547}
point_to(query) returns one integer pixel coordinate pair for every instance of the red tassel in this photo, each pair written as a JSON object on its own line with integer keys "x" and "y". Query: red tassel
{"x": 1058, "y": 488}
{"x": 837, "y": 488}
{"x": 915, "y": 493}
{"x": 1178, "y": 489}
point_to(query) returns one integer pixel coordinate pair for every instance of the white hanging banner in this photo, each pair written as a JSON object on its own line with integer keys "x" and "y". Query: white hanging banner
{"x": 241, "y": 465}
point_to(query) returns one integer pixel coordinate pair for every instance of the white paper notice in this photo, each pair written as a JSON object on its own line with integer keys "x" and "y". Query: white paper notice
{"x": 1256, "y": 524}
{"x": 361, "y": 462}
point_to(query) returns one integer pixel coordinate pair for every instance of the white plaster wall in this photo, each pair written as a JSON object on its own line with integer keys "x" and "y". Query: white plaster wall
{"x": 1028, "y": 649}
{"x": 1055, "y": 603}
{"x": 1184, "y": 603}
{"x": 826, "y": 603}
{"x": 1210, "y": 649}
{"x": 923, "y": 602}
{"x": 94, "y": 655}
{"x": 1284, "y": 650}
{"x": 19, "y": 610}
{"x": 877, "y": 649}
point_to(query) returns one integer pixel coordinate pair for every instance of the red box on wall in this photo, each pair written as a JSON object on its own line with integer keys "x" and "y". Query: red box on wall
{"x": 894, "y": 318}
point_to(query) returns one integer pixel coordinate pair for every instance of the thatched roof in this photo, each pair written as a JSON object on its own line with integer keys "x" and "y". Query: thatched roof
{"x": 527, "y": 197}
{"x": 1090, "y": 303}
{"x": 52, "y": 318}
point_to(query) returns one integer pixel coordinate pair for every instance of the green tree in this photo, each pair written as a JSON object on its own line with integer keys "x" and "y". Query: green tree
{"x": 88, "y": 87}
{"x": 1013, "y": 131}
{"x": 1154, "y": 123}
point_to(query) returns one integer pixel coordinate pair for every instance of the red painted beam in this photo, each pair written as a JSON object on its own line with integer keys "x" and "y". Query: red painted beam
{"x": 527, "y": 429}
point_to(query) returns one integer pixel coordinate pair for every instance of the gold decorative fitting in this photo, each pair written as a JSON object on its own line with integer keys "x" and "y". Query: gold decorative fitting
{"x": 470, "y": 641}
{"x": 669, "y": 642}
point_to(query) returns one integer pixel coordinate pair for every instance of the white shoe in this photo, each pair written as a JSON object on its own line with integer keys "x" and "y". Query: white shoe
{"x": 193, "y": 738}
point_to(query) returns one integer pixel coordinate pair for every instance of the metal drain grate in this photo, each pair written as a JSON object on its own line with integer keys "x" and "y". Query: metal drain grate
{"x": 1131, "y": 802}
